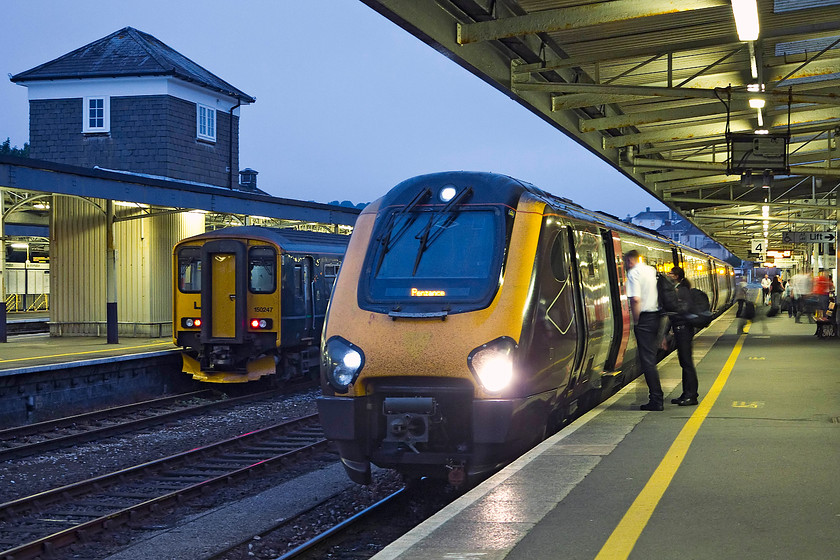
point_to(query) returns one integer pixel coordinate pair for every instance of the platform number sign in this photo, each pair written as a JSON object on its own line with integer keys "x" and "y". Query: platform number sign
{"x": 758, "y": 245}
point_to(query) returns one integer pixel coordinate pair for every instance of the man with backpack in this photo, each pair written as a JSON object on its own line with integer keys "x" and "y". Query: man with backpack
{"x": 644, "y": 304}
{"x": 683, "y": 336}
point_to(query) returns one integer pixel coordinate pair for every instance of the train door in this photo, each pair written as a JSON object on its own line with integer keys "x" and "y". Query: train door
{"x": 224, "y": 299}
{"x": 713, "y": 285}
{"x": 553, "y": 340}
{"x": 620, "y": 308}
{"x": 591, "y": 265}
{"x": 307, "y": 289}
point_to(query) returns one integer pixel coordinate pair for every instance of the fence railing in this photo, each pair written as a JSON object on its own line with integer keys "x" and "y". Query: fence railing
{"x": 19, "y": 302}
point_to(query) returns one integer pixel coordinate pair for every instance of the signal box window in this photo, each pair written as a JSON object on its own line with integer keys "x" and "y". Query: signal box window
{"x": 96, "y": 115}
{"x": 206, "y": 122}
{"x": 262, "y": 270}
{"x": 189, "y": 270}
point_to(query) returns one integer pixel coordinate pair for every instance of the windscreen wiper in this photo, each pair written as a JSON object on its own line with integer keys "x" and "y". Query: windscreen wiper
{"x": 387, "y": 239}
{"x": 425, "y": 238}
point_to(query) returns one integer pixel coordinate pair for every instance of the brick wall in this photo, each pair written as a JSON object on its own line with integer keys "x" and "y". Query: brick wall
{"x": 149, "y": 134}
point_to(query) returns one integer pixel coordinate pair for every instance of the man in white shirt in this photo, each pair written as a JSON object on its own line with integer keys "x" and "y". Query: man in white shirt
{"x": 644, "y": 304}
{"x": 765, "y": 288}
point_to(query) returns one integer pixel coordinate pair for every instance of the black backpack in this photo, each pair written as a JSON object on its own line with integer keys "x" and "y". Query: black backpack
{"x": 699, "y": 311}
{"x": 667, "y": 291}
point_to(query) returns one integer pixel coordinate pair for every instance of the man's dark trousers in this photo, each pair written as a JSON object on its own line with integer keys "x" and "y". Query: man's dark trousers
{"x": 683, "y": 335}
{"x": 647, "y": 337}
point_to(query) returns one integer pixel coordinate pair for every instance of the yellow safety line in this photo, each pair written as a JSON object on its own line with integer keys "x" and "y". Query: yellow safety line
{"x": 625, "y": 535}
{"x": 87, "y": 352}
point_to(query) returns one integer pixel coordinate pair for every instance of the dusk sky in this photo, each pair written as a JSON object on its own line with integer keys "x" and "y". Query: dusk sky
{"x": 348, "y": 104}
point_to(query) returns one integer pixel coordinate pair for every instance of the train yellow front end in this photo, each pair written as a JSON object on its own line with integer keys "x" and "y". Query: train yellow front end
{"x": 250, "y": 301}
{"x": 419, "y": 349}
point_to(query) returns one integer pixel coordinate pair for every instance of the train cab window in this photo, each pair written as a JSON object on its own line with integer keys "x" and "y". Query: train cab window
{"x": 430, "y": 258}
{"x": 558, "y": 259}
{"x": 189, "y": 270}
{"x": 262, "y": 270}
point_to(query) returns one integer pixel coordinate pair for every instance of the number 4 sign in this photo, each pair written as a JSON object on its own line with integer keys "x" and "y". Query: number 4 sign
{"x": 758, "y": 245}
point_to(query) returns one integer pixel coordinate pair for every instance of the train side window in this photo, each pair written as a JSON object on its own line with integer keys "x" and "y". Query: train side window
{"x": 330, "y": 274}
{"x": 262, "y": 268}
{"x": 189, "y": 270}
{"x": 299, "y": 280}
{"x": 558, "y": 259}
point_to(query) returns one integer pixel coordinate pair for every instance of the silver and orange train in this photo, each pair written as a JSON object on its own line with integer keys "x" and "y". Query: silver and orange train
{"x": 475, "y": 314}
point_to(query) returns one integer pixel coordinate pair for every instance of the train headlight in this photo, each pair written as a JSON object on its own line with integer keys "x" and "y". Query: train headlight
{"x": 343, "y": 362}
{"x": 492, "y": 364}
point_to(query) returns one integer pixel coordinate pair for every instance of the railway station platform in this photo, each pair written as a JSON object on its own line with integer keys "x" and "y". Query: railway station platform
{"x": 39, "y": 352}
{"x": 43, "y": 377}
{"x": 752, "y": 472}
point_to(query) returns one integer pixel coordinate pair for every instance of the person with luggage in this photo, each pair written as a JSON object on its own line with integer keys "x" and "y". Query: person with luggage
{"x": 822, "y": 287}
{"x": 743, "y": 305}
{"x": 776, "y": 290}
{"x": 787, "y": 298}
{"x": 683, "y": 336}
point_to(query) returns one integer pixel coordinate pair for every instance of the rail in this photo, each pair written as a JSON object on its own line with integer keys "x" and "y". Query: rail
{"x": 49, "y": 517}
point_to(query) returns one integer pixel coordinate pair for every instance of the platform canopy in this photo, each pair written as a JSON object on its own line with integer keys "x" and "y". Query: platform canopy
{"x": 734, "y": 128}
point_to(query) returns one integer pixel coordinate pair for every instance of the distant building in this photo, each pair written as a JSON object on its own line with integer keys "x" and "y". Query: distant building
{"x": 651, "y": 219}
{"x": 129, "y": 102}
{"x": 675, "y": 227}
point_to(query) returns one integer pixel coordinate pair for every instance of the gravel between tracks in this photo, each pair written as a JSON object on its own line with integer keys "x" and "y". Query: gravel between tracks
{"x": 29, "y": 475}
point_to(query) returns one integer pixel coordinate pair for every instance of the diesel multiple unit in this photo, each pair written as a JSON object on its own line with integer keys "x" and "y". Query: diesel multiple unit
{"x": 250, "y": 301}
{"x": 475, "y": 314}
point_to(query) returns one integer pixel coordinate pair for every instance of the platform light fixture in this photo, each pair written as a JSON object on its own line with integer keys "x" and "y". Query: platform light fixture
{"x": 746, "y": 19}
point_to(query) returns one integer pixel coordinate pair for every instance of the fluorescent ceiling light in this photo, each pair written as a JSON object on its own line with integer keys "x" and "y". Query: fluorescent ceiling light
{"x": 756, "y": 103}
{"x": 746, "y": 19}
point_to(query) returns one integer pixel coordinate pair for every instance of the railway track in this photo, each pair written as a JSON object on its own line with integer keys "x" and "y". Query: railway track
{"x": 381, "y": 510}
{"x": 37, "y": 525}
{"x": 22, "y": 441}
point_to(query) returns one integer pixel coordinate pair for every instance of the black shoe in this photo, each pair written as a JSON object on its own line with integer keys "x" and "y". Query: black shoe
{"x": 652, "y": 406}
{"x": 687, "y": 402}
{"x": 677, "y": 400}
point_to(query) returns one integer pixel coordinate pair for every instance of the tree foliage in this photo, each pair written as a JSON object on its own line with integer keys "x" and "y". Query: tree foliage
{"x": 6, "y": 149}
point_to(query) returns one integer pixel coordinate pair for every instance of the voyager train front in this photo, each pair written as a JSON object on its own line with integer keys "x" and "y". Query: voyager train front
{"x": 420, "y": 351}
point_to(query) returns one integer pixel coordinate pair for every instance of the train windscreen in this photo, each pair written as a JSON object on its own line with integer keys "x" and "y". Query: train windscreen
{"x": 429, "y": 257}
{"x": 189, "y": 270}
{"x": 262, "y": 267}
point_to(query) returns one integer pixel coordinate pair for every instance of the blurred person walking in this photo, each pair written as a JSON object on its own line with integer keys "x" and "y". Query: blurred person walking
{"x": 802, "y": 288}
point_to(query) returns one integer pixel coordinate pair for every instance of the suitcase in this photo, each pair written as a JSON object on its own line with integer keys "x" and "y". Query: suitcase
{"x": 749, "y": 310}
{"x": 773, "y": 311}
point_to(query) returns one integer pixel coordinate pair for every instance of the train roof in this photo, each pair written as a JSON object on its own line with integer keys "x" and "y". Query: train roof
{"x": 289, "y": 240}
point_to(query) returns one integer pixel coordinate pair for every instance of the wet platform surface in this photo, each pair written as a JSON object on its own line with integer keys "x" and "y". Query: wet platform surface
{"x": 752, "y": 472}
{"x": 39, "y": 352}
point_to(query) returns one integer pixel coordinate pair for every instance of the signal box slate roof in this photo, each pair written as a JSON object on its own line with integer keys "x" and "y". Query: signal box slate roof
{"x": 129, "y": 53}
